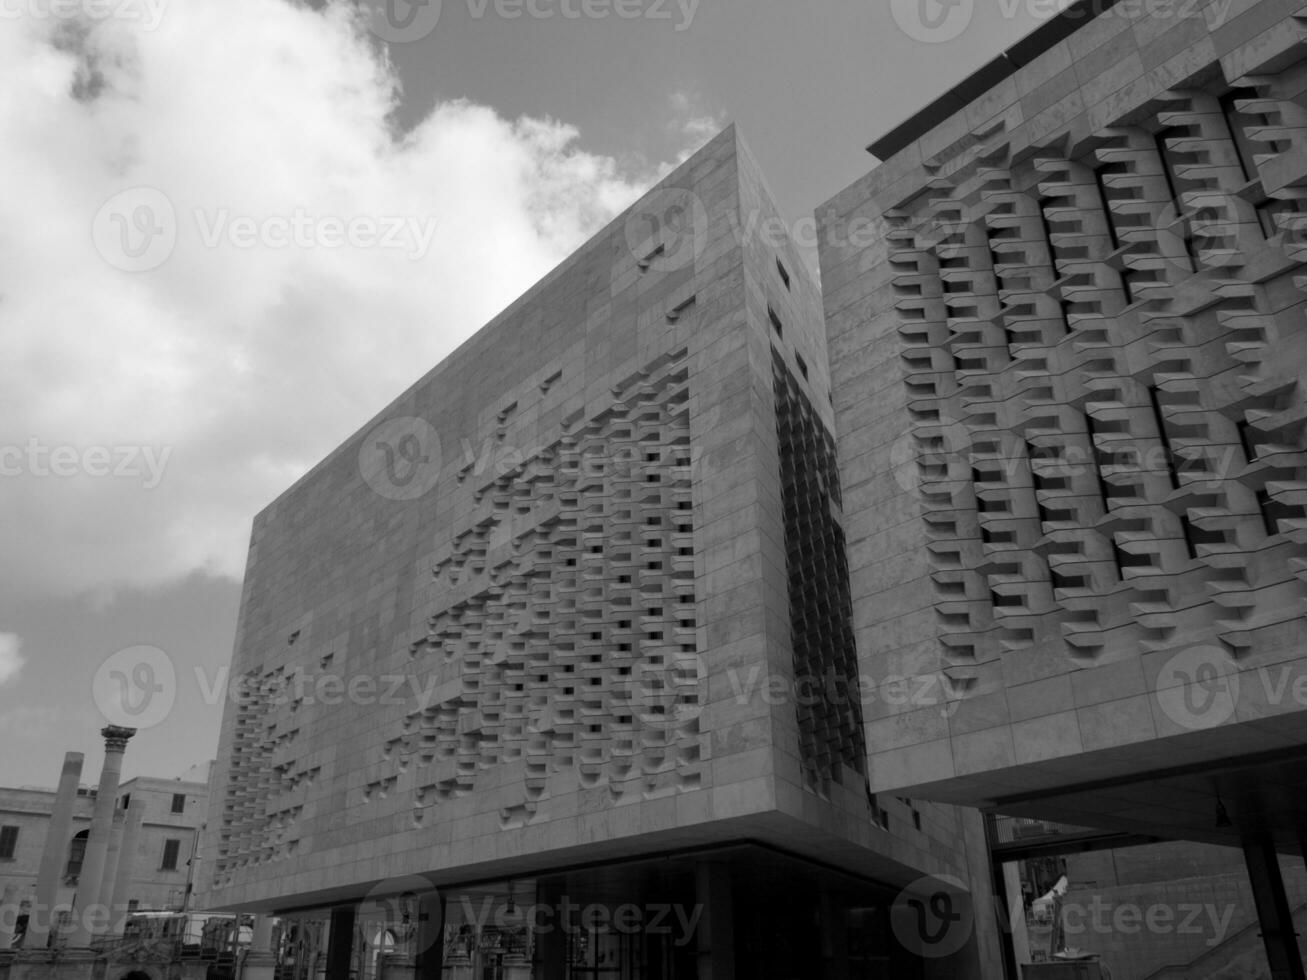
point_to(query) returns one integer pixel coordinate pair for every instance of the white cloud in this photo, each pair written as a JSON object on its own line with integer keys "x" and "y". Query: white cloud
{"x": 246, "y": 364}
{"x": 693, "y": 120}
{"x": 11, "y": 661}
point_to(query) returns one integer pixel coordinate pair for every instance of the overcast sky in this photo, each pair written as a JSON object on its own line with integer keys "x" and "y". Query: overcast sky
{"x": 183, "y": 334}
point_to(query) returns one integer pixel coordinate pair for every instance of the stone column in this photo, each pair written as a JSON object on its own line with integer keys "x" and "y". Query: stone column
{"x": 715, "y": 941}
{"x": 834, "y": 938}
{"x": 429, "y": 961}
{"x": 340, "y": 943}
{"x": 127, "y": 855}
{"x": 1016, "y": 906}
{"x": 88, "y": 920}
{"x": 8, "y": 916}
{"x": 261, "y": 940}
{"x": 552, "y": 942}
{"x": 111, "y": 859}
{"x": 260, "y": 962}
{"x": 54, "y": 854}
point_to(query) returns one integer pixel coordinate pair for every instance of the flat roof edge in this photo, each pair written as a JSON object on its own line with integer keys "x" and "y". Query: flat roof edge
{"x": 1042, "y": 39}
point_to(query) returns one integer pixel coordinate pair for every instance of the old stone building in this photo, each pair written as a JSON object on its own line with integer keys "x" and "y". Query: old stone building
{"x": 172, "y": 812}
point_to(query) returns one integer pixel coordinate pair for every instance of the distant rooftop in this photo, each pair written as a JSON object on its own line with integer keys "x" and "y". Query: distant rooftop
{"x": 195, "y": 774}
{"x": 1007, "y": 64}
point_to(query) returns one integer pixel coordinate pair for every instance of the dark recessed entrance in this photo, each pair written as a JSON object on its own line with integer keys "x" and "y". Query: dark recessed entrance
{"x": 745, "y": 911}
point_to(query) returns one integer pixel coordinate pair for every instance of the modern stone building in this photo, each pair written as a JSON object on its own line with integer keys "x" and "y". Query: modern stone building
{"x": 547, "y": 671}
{"x": 171, "y": 814}
{"x": 1068, "y": 380}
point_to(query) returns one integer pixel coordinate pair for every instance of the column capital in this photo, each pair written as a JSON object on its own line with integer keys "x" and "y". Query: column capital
{"x": 115, "y": 737}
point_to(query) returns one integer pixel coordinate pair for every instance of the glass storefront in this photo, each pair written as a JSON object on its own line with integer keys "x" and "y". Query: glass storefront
{"x": 766, "y": 914}
{"x": 635, "y": 921}
{"x": 300, "y": 944}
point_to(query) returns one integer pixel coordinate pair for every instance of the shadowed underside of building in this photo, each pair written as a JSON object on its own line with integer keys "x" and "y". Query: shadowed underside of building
{"x": 1068, "y": 383}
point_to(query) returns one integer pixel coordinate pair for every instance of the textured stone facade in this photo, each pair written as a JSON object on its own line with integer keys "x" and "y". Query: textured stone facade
{"x": 553, "y": 604}
{"x": 1068, "y": 378}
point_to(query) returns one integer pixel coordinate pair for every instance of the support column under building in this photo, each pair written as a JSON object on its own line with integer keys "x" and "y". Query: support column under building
{"x": 834, "y": 939}
{"x": 1273, "y": 911}
{"x": 260, "y": 961}
{"x": 429, "y": 960}
{"x": 126, "y": 871}
{"x": 1014, "y": 903}
{"x": 340, "y": 943}
{"x": 552, "y": 942}
{"x": 54, "y": 854}
{"x": 715, "y": 941}
{"x": 90, "y": 921}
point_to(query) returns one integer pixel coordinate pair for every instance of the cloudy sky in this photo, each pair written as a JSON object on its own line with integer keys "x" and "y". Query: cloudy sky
{"x": 232, "y": 230}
